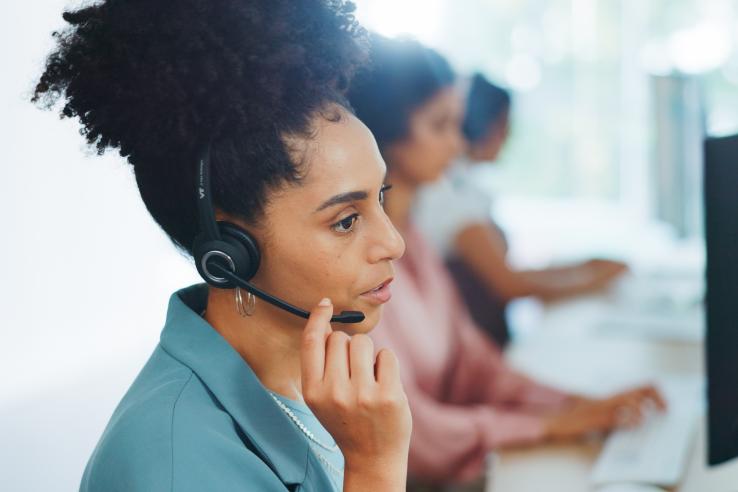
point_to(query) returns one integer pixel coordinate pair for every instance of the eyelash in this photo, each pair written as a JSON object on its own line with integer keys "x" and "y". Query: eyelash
{"x": 384, "y": 189}
{"x": 351, "y": 219}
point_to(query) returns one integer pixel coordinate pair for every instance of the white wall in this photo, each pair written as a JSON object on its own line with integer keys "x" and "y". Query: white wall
{"x": 87, "y": 274}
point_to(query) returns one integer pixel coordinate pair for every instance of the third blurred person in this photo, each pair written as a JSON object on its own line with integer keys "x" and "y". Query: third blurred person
{"x": 454, "y": 215}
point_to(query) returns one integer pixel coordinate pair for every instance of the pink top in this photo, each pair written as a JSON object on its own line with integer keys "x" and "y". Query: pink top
{"x": 464, "y": 399}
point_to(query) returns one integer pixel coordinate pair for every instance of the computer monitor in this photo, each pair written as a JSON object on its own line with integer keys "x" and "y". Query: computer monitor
{"x": 721, "y": 233}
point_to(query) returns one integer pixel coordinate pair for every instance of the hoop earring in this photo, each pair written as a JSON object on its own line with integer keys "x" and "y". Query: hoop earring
{"x": 250, "y": 303}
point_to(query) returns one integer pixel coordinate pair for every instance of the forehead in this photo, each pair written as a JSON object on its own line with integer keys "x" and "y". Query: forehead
{"x": 447, "y": 100}
{"x": 340, "y": 156}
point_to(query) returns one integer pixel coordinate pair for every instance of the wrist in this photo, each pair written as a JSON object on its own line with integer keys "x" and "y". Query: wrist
{"x": 379, "y": 473}
{"x": 549, "y": 429}
{"x": 574, "y": 400}
{"x": 552, "y": 428}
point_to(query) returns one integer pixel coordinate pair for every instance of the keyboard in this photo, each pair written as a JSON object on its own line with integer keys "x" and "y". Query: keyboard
{"x": 656, "y": 453}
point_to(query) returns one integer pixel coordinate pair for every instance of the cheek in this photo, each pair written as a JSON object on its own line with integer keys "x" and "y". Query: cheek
{"x": 421, "y": 157}
{"x": 436, "y": 153}
{"x": 306, "y": 269}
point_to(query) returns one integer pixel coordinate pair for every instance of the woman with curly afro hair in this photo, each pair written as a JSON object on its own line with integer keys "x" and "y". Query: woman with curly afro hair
{"x": 233, "y": 110}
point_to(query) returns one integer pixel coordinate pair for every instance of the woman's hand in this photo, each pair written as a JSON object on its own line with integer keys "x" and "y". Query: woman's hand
{"x": 584, "y": 416}
{"x": 603, "y": 272}
{"x": 359, "y": 400}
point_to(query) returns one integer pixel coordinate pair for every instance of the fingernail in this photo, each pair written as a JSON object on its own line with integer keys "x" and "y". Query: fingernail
{"x": 324, "y": 302}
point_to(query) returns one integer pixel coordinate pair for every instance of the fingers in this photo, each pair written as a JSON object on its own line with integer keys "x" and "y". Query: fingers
{"x": 652, "y": 394}
{"x": 337, "y": 358}
{"x": 361, "y": 360}
{"x": 313, "y": 350}
{"x": 608, "y": 415}
{"x": 614, "y": 414}
{"x": 387, "y": 369}
{"x": 630, "y": 414}
{"x": 632, "y": 407}
{"x": 626, "y": 409}
{"x": 606, "y": 270}
{"x": 645, "y": 395}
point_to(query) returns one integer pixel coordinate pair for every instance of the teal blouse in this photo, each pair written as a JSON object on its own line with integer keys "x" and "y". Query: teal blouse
{"x": 197, "y": 419}
{"x": 327, "y": 451}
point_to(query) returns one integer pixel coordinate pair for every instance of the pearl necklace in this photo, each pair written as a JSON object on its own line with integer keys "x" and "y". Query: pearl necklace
{"x": 300, "y": 425}
{"x": 310, "y": 435}
{"x": 336, "y": 471}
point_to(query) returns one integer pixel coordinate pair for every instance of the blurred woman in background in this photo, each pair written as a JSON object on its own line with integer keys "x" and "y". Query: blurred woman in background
{"x": 464, "y": 398}
{"x": 454, "y": 215}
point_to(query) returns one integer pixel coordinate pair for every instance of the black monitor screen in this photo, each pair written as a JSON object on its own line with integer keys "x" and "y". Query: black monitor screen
{"x": 721, "y": 232}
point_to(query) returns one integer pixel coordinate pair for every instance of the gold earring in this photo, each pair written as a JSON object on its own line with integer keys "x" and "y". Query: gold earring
{"x": 250, "y": 303}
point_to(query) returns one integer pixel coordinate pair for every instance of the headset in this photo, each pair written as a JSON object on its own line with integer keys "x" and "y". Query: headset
{"x": 227, "y": 256}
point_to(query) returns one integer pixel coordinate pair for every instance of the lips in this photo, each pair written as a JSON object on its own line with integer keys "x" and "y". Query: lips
{"x": 380, "y": 294}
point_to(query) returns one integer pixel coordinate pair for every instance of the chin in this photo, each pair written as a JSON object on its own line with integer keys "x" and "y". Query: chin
{"x": 432, "y": 178}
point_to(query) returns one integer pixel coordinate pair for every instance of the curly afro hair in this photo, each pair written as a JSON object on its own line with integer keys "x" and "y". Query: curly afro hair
{"x": 159, "y": 79}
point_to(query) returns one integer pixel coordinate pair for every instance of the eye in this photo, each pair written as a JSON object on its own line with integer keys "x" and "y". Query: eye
{"x": 382, "y": 191}
{"x": 346, "y": 225}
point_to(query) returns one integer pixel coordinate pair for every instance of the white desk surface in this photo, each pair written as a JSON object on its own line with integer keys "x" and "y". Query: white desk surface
{"x": 568, "y": 350}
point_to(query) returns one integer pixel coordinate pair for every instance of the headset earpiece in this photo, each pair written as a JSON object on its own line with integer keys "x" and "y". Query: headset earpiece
{"x": 236, "y": 250}
{"x": 249, "y": 260}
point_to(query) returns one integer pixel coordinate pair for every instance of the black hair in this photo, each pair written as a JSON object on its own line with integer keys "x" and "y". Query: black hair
{"x": 486, "y": 104}
{"x": 401, "y": 76}
{"x": 160, "y": 79}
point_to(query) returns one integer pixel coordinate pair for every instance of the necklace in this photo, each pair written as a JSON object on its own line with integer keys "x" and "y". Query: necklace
{"x": 328, "y": 464}
{"x": 336, "y": 471}
{"x": 300, "y": 425}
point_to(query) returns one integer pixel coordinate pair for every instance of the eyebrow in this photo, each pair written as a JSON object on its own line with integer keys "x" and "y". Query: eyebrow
{"x": 348, "y": 197}
{"x": 351, "y": 196}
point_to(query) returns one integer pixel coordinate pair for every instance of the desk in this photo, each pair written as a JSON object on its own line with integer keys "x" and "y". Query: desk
{"x": 568, "y": 351}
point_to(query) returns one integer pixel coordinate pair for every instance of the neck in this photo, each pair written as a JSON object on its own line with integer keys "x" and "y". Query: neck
{"x": 399, "y": 201}
{"x": 475, "y": 154}
{"x": 269, "y": 340}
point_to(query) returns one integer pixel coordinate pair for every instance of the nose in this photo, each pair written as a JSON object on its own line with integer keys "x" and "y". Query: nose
{"x": 388, "y": 243}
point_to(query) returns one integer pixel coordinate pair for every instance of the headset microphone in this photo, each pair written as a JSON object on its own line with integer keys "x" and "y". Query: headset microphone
{"x": 344, "y": 317}
{"x": 227, "y": 256}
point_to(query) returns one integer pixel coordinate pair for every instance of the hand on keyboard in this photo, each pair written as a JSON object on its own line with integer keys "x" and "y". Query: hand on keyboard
{"x": 585, "y": 416}
{"x": 655, "y": 452}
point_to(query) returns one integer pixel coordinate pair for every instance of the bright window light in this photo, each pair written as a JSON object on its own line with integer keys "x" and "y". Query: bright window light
{"x": 523, "y": 72}
{"x": 701, "y": 48}
{"x": 420, "y": 19}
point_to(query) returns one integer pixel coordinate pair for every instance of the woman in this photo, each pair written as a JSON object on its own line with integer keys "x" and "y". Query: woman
{"x": 474, "y": 248}
{"x": 464, "y": 399}
{"x": 246, "y": 94}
